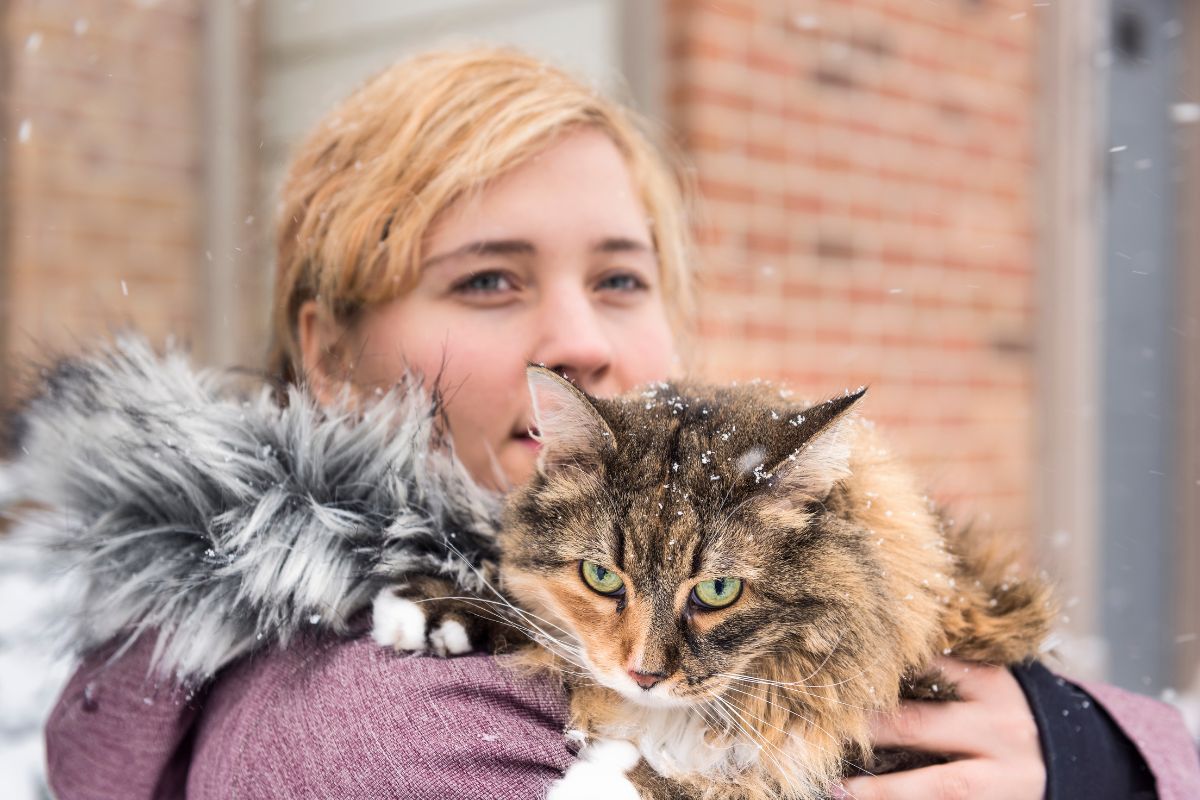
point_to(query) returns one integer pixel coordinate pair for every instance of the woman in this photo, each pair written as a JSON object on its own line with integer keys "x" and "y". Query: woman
{"x": 464, "y": 214}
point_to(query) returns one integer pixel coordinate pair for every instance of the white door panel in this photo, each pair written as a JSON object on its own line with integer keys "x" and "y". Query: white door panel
{"x": 316, "y": 53}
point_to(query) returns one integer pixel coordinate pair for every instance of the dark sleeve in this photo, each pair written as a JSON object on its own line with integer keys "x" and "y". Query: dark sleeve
{"x": 352, "y": 719}
{"x": 1087, "y": 755}
{"x": 116, "y": 733}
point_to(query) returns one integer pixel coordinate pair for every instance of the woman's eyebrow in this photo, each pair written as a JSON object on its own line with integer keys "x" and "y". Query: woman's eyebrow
{"x": 621, "y": 245}
{"x": 486, "y": 247}
{"x": 523, "y": 247}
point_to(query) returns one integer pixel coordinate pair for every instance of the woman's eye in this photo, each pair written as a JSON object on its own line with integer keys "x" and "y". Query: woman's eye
{"x": 622, "y": 282}
{"x": 600, "y": 579}
{"x": 717, "y": 593}
{"x": 489, "y": 282}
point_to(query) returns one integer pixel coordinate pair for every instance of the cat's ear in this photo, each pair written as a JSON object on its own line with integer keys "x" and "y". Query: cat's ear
{"x": 569, "y": 428}
{"x": 820, "y": 455}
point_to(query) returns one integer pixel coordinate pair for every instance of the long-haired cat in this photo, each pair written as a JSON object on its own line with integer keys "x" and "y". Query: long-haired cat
{"x": 731, "y": 583}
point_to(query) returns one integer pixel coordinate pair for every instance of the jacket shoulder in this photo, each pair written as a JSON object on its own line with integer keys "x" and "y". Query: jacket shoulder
{"x": 348, "y": 718}
{"x": 1159, "y": 733}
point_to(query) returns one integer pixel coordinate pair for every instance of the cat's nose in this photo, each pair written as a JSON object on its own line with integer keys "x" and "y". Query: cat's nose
{"x": 646, "y": 680}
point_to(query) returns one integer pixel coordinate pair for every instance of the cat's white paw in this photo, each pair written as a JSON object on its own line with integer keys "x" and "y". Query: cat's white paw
{"x": 400, "y": 623}
{"x": 450, "y": 639}
{"x": 397, "y": 622}
{"x": 599, "y": 774}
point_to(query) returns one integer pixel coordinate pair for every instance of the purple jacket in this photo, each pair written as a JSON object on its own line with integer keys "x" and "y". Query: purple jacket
{"x": 349, "y": 719}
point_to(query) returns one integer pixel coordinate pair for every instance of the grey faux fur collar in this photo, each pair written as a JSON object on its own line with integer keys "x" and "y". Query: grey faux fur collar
{"x": 224, "y": 521}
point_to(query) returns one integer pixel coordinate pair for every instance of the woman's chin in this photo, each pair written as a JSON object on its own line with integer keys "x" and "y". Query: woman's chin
{"x": 519, "y": 460}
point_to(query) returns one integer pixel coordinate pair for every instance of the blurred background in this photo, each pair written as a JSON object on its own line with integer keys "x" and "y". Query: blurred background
{"x": 988, "y": 210}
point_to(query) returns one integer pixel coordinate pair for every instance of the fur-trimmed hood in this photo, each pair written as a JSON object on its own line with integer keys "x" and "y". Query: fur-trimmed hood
{"x": 224, "y": 520}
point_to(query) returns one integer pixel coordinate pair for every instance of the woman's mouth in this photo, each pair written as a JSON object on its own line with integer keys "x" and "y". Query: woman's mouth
{"x": 526, "y": 439}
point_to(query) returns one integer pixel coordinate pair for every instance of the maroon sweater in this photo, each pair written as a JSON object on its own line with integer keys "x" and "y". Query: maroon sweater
{"x": 334, "y": 720}
{"x": 350, "y": 719}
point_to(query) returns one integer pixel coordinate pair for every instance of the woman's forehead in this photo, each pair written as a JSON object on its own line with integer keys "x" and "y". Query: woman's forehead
{"x": 578, "y": 186}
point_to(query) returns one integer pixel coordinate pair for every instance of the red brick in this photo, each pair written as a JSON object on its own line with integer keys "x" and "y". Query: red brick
{"x": 107, "y": 188}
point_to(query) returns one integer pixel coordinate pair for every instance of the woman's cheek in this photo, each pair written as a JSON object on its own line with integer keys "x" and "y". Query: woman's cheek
{"x": 485, "y": 406}
{"x": 646, "y": 352}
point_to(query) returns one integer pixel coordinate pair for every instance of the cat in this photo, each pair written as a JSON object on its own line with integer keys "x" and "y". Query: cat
{"x": 728, "y": 583}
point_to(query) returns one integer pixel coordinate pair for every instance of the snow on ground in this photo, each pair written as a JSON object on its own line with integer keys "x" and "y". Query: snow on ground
{"x": 31, "y": 674}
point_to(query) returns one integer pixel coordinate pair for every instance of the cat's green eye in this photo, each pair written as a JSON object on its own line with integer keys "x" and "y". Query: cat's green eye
{"x": 717, "y": 593}
{"x": 600, "y": 579}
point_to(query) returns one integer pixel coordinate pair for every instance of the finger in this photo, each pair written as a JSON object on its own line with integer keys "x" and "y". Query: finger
{"x": 931, "y": 727}
{"x": 973, "y": 681}
{"x": 955, "y": 781}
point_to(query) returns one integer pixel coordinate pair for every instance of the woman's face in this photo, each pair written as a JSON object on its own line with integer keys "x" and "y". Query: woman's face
{"x": 553, "y": 264}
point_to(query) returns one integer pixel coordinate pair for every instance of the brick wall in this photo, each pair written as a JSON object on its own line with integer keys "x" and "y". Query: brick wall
{"x": 866, "y": 170}
{"x": 103, "y": 144}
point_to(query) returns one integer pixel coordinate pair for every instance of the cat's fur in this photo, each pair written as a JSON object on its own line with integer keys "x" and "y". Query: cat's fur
{"x": 852, "y": 584}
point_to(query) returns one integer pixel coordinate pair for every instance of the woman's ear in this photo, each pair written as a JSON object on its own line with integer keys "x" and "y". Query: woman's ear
{"x": 319, "y": 336}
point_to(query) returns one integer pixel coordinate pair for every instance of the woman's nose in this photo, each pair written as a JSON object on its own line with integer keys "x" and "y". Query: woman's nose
{"x": 574, "y": 342}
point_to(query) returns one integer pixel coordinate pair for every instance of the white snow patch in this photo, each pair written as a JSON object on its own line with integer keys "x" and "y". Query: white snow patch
{"x": 751, "y": 460}
{"x": 31, "y": 671}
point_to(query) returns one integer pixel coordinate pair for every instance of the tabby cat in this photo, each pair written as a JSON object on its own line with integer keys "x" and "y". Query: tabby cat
{"x": 729, "y": 583}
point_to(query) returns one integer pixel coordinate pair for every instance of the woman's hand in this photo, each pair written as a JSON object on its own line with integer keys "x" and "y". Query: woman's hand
{"x": 991, "y": 734}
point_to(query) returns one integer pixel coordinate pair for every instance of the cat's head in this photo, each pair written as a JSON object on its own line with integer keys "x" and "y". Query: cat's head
{"x": 687, "y": 535}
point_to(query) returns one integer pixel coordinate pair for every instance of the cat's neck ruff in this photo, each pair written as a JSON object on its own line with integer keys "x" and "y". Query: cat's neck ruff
{"x": 678, "y": 742}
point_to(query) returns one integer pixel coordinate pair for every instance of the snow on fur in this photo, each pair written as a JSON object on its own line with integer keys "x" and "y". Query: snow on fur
{"x": 225, "y": 521}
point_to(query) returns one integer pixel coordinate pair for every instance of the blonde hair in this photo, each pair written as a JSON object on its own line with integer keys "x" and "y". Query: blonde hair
{"x": 365, "y": 187}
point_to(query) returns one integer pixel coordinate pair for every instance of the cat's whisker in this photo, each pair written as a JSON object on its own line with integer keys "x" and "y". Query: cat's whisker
{"x": 807, "y": 685}
{"x": 746, "y": 679}
{"x": 504, "y": 603}
{"x": 563, "y": 658}
{"x": 567, "y": 652}
{"x": 731, "y": 725}
{"x": 825, "y": 660}
{"x": 764, "y": 745}
{"x": 801, "y": 739}
{"x": 564, "y": 650}
{"x": 740, "y": 728}
{"x": 478, "y": 572}
{"x": 805, "y": 680}
{"x": 802, "y": 685}
{"x": 488, "y": 584}
{"x": 804, "y": 719}
{"x": 571, "y": 653}
{"x": 743, "y": 724}
{"x": 784, "y": 708}
{"x": 746, "y": 728}
{"x": 530, "y": 615}
{"x": 728, "y": 514}
{"x": 808, "y": 743}
{"x": 558, "y": 649}
{"x": 718, "y": 725}
{"x": 488, "y": 614}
